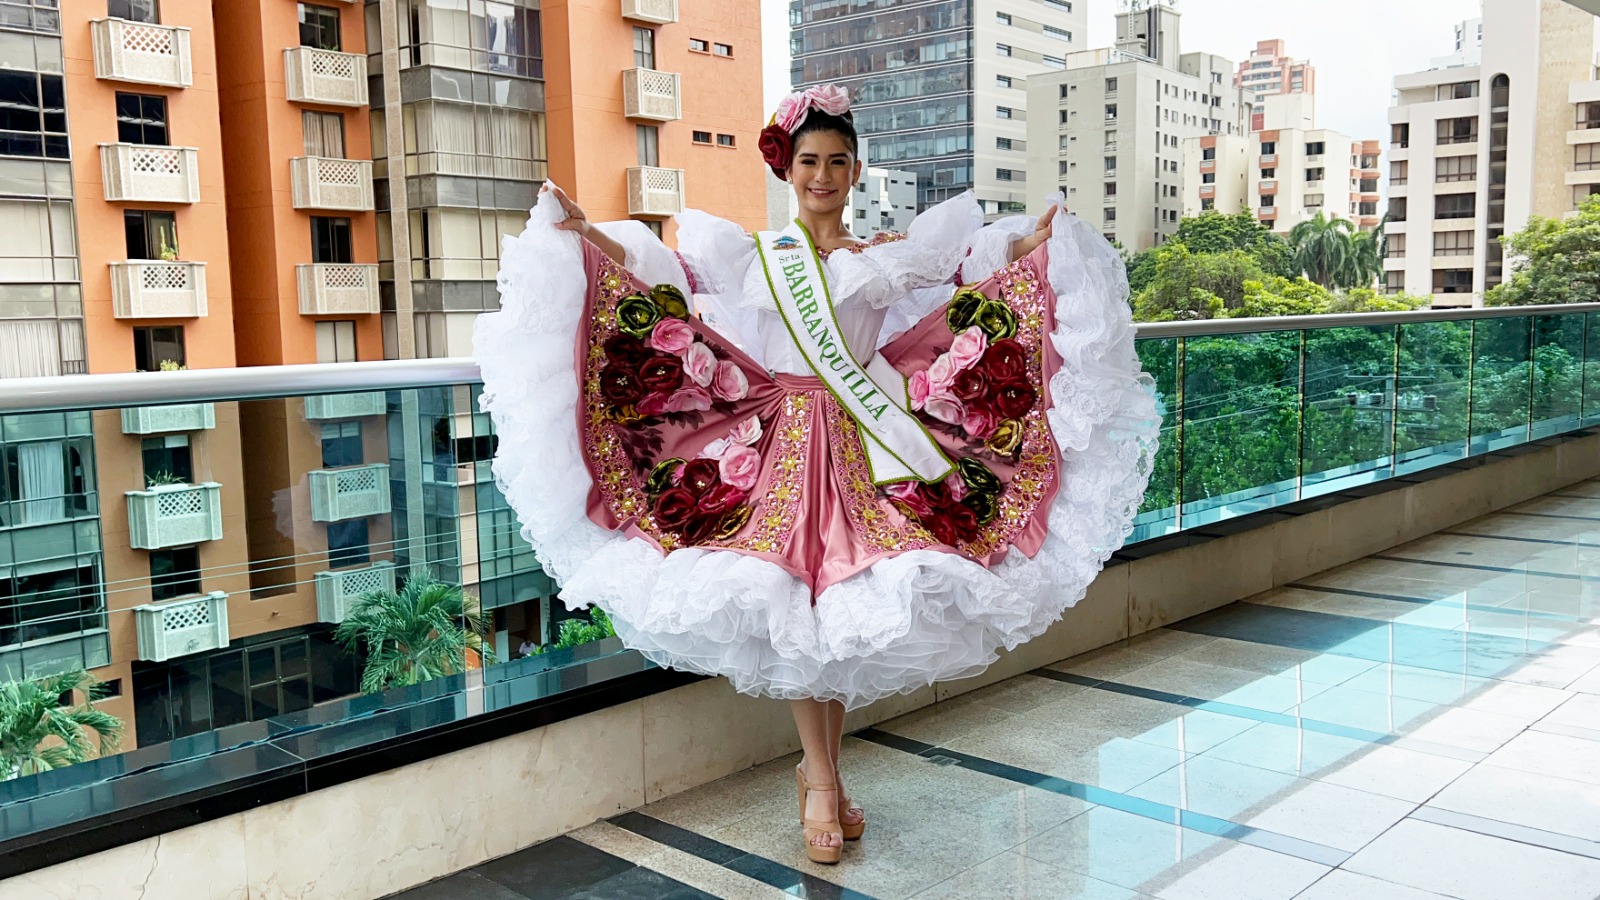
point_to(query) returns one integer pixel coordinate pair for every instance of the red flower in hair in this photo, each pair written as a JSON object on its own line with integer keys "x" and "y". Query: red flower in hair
{"x": 777, "y": 149}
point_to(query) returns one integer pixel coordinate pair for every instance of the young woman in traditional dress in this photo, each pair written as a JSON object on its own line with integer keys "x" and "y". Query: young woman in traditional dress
{"x": 869, "y": 467}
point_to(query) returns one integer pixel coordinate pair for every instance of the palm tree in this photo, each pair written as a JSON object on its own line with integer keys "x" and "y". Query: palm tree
{"x": 1322, "y": 248}
{"x": 1365, "y": 262}
{"x": 426, "y": 630}
{"x": 31, "y": 715}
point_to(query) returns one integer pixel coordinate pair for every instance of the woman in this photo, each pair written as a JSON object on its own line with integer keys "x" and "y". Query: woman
{"x": 852, "y": 479}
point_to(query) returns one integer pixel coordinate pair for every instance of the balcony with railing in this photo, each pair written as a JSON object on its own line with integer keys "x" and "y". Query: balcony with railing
{"x": 652, "y": 95}
{"x": 141, "y": 53}
{"x": 332, "y": 289}
{"x": 156, "y": 289}
{"x": 1356, "y": 580}
{"x": 174, "y": 515}
{"x": 656, "y": 12}
{"x": 325, "y": 77}
{"x": 351, "y": 492}
{"x": 169, "y": 419}
{"x": 321, "y": 183}
{"x": 655, "y": 191}
{"x": 141, "y": 173}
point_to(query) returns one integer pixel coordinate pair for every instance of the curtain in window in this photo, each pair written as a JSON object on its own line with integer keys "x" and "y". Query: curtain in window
{"x": 29, "y": 347}
{"x": 43, "y": 476}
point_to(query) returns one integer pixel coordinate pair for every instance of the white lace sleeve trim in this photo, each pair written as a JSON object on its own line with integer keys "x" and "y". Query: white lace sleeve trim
{"x": 652, "y": 261}
{"x": 928, "y": 257}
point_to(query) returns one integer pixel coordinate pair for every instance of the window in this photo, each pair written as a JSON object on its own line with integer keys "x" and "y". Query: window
{"x": 1111, "y": 163}
{"x": 167, "y": 459}
{"x": 649, "y": 138}
{"x": 1369, "y": 186}
{"x": 1399, "y": 172}
{"x": 1003, "y": 81}
{"x": 1111, "y": 189}
{"x": 1453, "y": 243}
{"x": 319, "y": 27}
{"x": 1316, "y": 148}
{"x": 1269, "y": 174}
{"x": 1397, "y": 209}
{"x": 1457, "y": 131}
{"x": 336, "y": 342}
{"x": 1269, "y": 201}
{"x": 141, "y": 119}
{"x": 1394, "y": 282}
{"x": 1586, "y": 157}
{"x": 330, "y": 240}
{"x": 1110, "y": 214}
{"x": 134, "y": 10}
{"x": 1208, "y": 178}
{"x": 1001, "y": 143}
{"x": 51, "y": 603}
{"x": 1455, "y": 206}
{"x": 1060, "y": 4}
{"x": 722, "y": 50}
{"x": 702, "y": 137}
{"x": 1002, "y": 49}
{"x": 1394, "y": 246}
{"x": 324, "y": 134}
{"x": 1111, "y": 85}
{"x": 341, "y": 445}
{"x": 1060, "y": 34}
{"x": 1455, "y": 168}
{"x": 1005, "y": 175}
{"x": 1268, "y": 148}
{"x": 1002, "y": 112}
{"x": 349, "y": 543}
{"x": 1208, "y": 203}
{"x": 1315, "y": 174}
{"x": 697, "y": 45}
{"x": 1452, "y": 281}
{"x": 174, "y": 573}
{"x": 1400, "y": 135}
{"x": 1588, "y": 116}
{"x": 1054, "y": 62}
{"x": 1208, "y": 153}
{"x": 1111, "y": 112}
{"x": 1461, "y": 90}
{"x": 156, "y": 345}
{"x": 151, "y": 234}
{"x": 725, "y": 140}
{"x": 45, "y": 481}
{"x": 644, "y": 48}
{"x": 1003, "y": 18}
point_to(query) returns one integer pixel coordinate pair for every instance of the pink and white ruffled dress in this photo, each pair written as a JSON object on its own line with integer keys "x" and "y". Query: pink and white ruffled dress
{"x": 693, "y": 477}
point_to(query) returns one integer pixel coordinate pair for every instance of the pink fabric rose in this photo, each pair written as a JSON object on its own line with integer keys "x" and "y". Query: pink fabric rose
{"x": 909, "y": 494}
{"x": 917, "y": 386}
{"x": 672, "y": 336}
{"x": 716, "y": 448}
{"x": 967, "y": 349}
{"x": 740, "y": 466}
{"x": 729, "y": 382}
{"x": 980, "y": 423}
{"x": 942, "y": 374}
{"x": 653, "y": 405}
{"x": 700, "y": 364}
{"x": 945, "y": 408}
{"x": 830, "y": 98}
{"x": 690, "y": 399}
{"x": 746, "y": 432}
{"x": 958, "y": 488}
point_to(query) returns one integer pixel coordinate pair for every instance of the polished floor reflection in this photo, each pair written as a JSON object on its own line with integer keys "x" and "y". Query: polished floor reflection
{"x": 1422, "y": 723}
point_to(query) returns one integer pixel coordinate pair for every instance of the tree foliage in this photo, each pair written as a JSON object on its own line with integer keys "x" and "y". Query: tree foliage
{"x": 426, "y": 630}
{"x": 38, "y": 733}
{"x": 1553, "y": 261}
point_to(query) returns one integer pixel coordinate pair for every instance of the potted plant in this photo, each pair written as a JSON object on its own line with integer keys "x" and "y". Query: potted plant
{"x": 162, "y": 479}
{"x": 168, "y": 252}
{"x": 425, "y": 630}
{"x": 39, "y": 733}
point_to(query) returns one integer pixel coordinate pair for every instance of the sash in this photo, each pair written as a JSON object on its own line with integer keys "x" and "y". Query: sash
{"x": 897, "y": 445}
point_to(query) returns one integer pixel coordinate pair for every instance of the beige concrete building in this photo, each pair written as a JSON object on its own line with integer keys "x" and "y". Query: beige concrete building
{"x": 1286, "y": 172}
{"x": 1270, "y": 71}
{"x": 1110, "y": 130}
{"x": 1476, "y": 149}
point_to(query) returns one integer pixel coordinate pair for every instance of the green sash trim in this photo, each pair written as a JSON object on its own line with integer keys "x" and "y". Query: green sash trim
{"x": 897, "y": 445}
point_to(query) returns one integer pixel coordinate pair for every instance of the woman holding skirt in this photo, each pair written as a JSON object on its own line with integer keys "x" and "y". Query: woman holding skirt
{"x": 863, "y": 468}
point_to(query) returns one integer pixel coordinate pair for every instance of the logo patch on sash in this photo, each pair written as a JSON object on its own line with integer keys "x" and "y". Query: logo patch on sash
{"x": 785, "y": 243}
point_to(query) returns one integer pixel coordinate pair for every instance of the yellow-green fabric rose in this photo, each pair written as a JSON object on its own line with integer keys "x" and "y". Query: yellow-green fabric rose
{"x": 637, "y": 315}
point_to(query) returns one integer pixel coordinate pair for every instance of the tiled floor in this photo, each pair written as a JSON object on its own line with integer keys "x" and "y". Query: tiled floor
{"x": 1423, "y": 723}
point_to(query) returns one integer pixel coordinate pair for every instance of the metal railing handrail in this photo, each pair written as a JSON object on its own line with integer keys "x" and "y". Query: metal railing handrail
{"x": 113, "y": 390}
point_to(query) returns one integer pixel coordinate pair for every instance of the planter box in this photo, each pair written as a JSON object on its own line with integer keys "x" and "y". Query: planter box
{"x": 318, "y": 182}
{"x": 151, "y": 289}
{"x": 331, "y": 289}
{"x": 168, "y": 419}
{"x": 141, "y": 52}
{"x": 174, "y": 515}
{"x": 182, "y": 627}
{"x": 346, "y": 406}
{"x": 353, "y": 492}
{"x": 338, "y": 588}
{"x": 655, "y": 192}
{"x": 659, "y": 12}
{"x": 147, "y": 173}
{"x": 649, "y": 94}
{"x": 324, "y": 76}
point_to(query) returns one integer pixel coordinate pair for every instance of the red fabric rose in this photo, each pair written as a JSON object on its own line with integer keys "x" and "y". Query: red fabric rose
{"x": 944, "y": 530}
{"x": 699, "y": 529}
{"x": 674, "y": 507}
{"x": 700, "y": 476}
{"x": 938, "y": 495}
{"x": 963, "y": 519}
{"x": 663, "y": 374}
{"x": 1015, "y": 398}
{"x": 627, "y": 351}
{"x": 1004, "y": 361}
{"x": 777, "y": 149}
{"x": 719, "y": 500}
{"x": 969, "y": 386}
{"x": 620, "y": 384}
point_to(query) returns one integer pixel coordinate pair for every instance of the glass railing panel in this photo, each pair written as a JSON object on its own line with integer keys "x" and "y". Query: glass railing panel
{"x": 1159, "y": 513}
{"x": 1241, "y": 424}
{"x": 1591, "y": 369}
{"x": 1500, "y": 382}
{"x": 1348, "y": 408}
{"x": 1557, "y": 389}
{"x": 1434, "y": 362}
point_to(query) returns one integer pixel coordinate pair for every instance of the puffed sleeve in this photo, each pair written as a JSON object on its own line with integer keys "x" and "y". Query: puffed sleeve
{"x": 991, "y": 247}
{"x": 647, "y": 258}
{"x": 885, "y": 274}
{"x": 718, "y": 255}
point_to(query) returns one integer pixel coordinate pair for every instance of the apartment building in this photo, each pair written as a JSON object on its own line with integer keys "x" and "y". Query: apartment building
{"x": 1110, "y": 129}
{"x": 192, "y": 184}
{"x": 1475, "y": 149}
{"x": 1285, "y": 172}
{"x": 1270, "y": 71}
{"x": 940, "y": 87}
{"x": 883, "y": 200}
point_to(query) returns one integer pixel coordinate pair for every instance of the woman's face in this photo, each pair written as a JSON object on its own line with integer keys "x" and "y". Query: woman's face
{"x": 823, "y": 171}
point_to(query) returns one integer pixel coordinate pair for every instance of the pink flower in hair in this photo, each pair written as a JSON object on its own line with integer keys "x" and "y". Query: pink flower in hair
{"x": 830, "y": 98}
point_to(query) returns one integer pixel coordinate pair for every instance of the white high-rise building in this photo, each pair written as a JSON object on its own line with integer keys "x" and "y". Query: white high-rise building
{"x": 939, "y": 86}
{"x": 1476, "y": 149}
{"x": 883, "y": 200}
{"x": 1110, "y": 130}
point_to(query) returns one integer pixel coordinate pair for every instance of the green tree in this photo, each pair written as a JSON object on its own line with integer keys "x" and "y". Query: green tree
{"x": 1322, "y": 249}
{"x": 1365, "y": 299}
{"x": 1214, "y": 232}
{"x": 1553, "y": 261}
{"x": 1365, "y": 261}
{"x": 38, "y": 733}
{"x": 579, "y": 630}
{"x": 1188, "y": 285}
{"x": 426, "y": 630}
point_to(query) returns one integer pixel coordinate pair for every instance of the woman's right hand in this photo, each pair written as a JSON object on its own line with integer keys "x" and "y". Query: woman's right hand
{"x": 575, "y": 220}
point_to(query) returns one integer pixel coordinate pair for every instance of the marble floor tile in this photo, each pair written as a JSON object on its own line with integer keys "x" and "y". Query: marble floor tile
{"x": 1588, "y": 683}
{"x": 1396, "y": 772}
{"x": 1550, "y": 754}
{"x": 1559, "y": 666}
{"x": 1472, "y": 866}
{"x": 685, "y": 868}
{"x": 1342, "y": 885}
{"x": 1244, "y": 873}
{"x": 1012, "y": 876}
{"x": 1165, "y": 642}
{"x": 1273, "y": 693}
{"x": 1469, "y": 729}
{"x": 1115, "y": 764}
{"x": 1315, "y": 811}
{"x": 1579, "y": 711}
{"x": 1196, "y": 731}
{"x": 1558, "y": 805}
{"x": 1270, "y": 659}
{"x": 1107, "y": 663}
{"x": 948, "y": 720}
{"x": 1532, "y": 628}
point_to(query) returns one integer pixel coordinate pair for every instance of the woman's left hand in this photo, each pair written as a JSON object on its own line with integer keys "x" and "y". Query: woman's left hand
{"x": 1042, "y": 231}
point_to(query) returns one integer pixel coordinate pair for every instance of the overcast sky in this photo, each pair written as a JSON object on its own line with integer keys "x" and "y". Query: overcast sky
{"x": 1358, "y": 46}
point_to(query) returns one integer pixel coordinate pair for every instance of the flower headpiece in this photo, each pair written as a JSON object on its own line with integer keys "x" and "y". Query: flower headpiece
{"x": 777, "y": 139}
